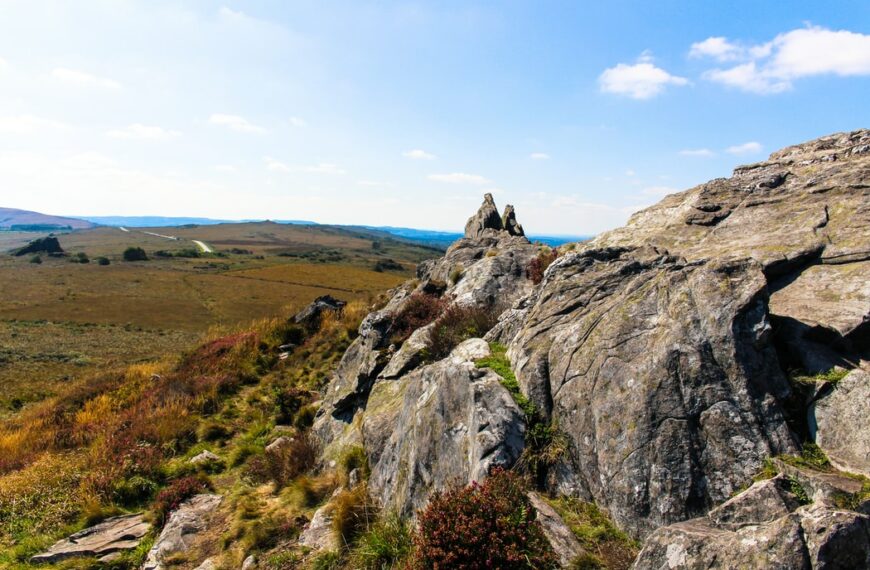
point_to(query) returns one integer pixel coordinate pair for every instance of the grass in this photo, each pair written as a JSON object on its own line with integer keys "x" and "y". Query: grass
{"x": 606, "y": 545}
{"x": 811, "y": 457}
{"x": 545, "y": 443}
{"x": 832, "y": 376}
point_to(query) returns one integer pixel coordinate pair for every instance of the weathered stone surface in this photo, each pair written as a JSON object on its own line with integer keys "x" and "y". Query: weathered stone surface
{"x": 108, "y": 537}
{"x": 486, "y": 218}
{"x": 204, "y": 458}
{"x": 182, "y": 529}
{"x": 455, "y": 422}
{"x": 762, "y": 503}
{"x": 561, "y": 539}
{"x": 249, "y": 563}
{"x": 661, "y": 374}
{"x": 318, "y": 535}
{"x": 841, "y": 420}
{"x": 278, "y": 444}
{"x": 310, "y": 316}
{"x": 409, "y": 354}
{"x": 509, "y": 222}
{"x": 207, "y": 564}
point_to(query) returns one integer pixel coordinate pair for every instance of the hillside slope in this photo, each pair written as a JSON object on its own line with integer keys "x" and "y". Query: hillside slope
{"x": 10, "y": 218}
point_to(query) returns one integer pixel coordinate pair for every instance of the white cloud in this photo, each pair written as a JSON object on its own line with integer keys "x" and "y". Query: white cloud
{"x": 718, "y": 48}
{"x": 226, "y": 168}
{"x": 630, "y": 172}
{"x": 539, "y": 156}
{"x": 276, "y": 165}
{"x": 459, "y": 178}
{"x": 641, "y": 80}
{"x": 324, "y": 168}
{"x": 418, "y": 154}
{"x": 751, "y": 147}
{"x": 3, "y": 63}
{"x": 144, "y": 132}
{"x": 702, "y": 152}
{"x": 772, "y": 67}
{"x": 236, "y": 123}
{"x": 83, "y": 79}
{"x": 28, "y": 124}
{"x": 297, "y": 122}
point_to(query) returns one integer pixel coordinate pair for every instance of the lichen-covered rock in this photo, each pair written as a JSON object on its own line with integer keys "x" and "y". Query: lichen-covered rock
{"x": 185, "y": 525}
{"x": 310, "y": 316}
{"x": 455, "y": 422}
{"x": 841, "y": 422}
{"x": 203, "y": 458}
{"x": 109, "y": 537}
{"x": 318, "y": 535}
{"x": 509, "y": 222}
{"x": 661, "y": 374}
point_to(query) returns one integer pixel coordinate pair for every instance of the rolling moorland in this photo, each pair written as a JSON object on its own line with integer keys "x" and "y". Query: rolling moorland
{"x": 62, "y": 319}
{"x": 688, "y": 391}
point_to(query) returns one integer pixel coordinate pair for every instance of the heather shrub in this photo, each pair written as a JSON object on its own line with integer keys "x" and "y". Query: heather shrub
{"x": 459, "y": 323}
{"x": 173, "y": 495}
{"x": 289, "y": 401}
{"x": 489, "y": 525}
{"x": 135, "y": 254}
{"x": 539, "y": 264}
{"x": 419, "y": 310}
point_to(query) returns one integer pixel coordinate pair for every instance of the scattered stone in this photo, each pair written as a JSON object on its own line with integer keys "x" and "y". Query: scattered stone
{"x": 310, "y": 316}
{"x": 318, "y": 535}
{"x": 109, "y": 537}
{"x": 204, "y": 458}
{"x": 249, "y": 563}
{"x": 278, "y": 444}
{"x": 184, "y": 526}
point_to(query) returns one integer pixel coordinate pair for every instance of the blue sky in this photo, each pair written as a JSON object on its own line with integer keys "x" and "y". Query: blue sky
{"x": 405, "y": 113}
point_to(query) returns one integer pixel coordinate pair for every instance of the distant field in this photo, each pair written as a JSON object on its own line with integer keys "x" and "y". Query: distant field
{"x": 61, "y": 320}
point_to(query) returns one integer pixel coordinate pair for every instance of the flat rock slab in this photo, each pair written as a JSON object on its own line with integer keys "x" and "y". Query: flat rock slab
{"x": 183, "y": 527}
{"x": 841, "y": 423}
{"x": 110, "y": 536}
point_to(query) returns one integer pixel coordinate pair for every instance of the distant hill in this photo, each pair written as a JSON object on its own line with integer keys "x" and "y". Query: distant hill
{"x": 25, "y": 220}
{"x": 432, "y": 238}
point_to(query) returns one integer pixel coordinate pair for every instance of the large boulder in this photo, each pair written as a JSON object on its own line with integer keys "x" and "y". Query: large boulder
{"x": 509, "y": 222}
{"x": 49, "y": 245}
{"x": 185, "y": 526}
{"x": 311, "y": 315}
{"x": 111, "y": 536}
{"x": 661, "y": 374}
{"x": 453, "y": 424}
{"x": 841, "y": 418}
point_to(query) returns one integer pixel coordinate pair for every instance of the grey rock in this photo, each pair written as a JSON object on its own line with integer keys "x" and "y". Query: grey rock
{"x": 841, "y": 418}
{"x": 471, "y": 350}
{"x": 409, "y": 354}
{"x": 486, "y": 218}
{"x": 561, "y": 538}
{"x": 318, "y": 535}
{"x": 204, "y": 458}
{"x": 455, "y": 422}
{"x": 278, "y": 444}
{"x": 763, "y": 502}
{"x": 185, "y": 525}
{"x": 109, "y": 537}
{"x": 661, "y": 375}
{"x": 207, "y": 564}
{"x": 249, "y": 563}
{"x": 310, "y": 316}
{"x": 509, "y": 222}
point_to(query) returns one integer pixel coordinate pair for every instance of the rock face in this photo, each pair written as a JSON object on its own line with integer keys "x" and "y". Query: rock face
{"x": 113, "y": 535}
{"x": 182, "y": 529}
{"x": 658, "y": 350}
{"x": 454, "y": 423}
{"x": 761, "y": 528}
{"x": 841, "y": 423}
{"x": 486, "y": 218}
{"x": 561, "y": 539}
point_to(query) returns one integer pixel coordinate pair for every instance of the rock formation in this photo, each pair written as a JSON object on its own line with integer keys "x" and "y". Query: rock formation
{"x": 181, "y": 531}
{"x": 49, "y": 245}
{"x": 103, "y": 540}
{"x": 839, "y": 423}
{"x": 660, "y": 351}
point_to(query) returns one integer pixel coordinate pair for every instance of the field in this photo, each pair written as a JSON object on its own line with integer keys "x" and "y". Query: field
{"x": 60, "y": 321}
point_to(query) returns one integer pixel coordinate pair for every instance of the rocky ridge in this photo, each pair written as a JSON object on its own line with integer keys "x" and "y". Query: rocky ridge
{"x": 660, "y": 350}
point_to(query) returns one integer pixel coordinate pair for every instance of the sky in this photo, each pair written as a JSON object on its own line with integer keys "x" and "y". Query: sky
{"x": 406, "y": 113}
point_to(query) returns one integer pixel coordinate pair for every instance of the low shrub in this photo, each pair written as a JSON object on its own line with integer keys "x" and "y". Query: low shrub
{"x": 173, "y": 495}
{"x": 539, "y": 264}
{"x": 103, "y": 261}
{"x": 353, "y": 512}
{"x": 305, "y": 417}
{"x": 36, "y": 259}
{"x": 418, "y": 311}
{"x": 289, "y": 400}
{"x": 135, "y": 254}
{"x": 489, "y": 525}
{"x": 458, "y": 323}
{"x": 212, "y": 431}
{"x": 353, "y": 457}
{"x": 284, "y": 464}
{"x": 386, "y": 544}
{"x": 133, "y": 490}
{"x": 307, "y": 492}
